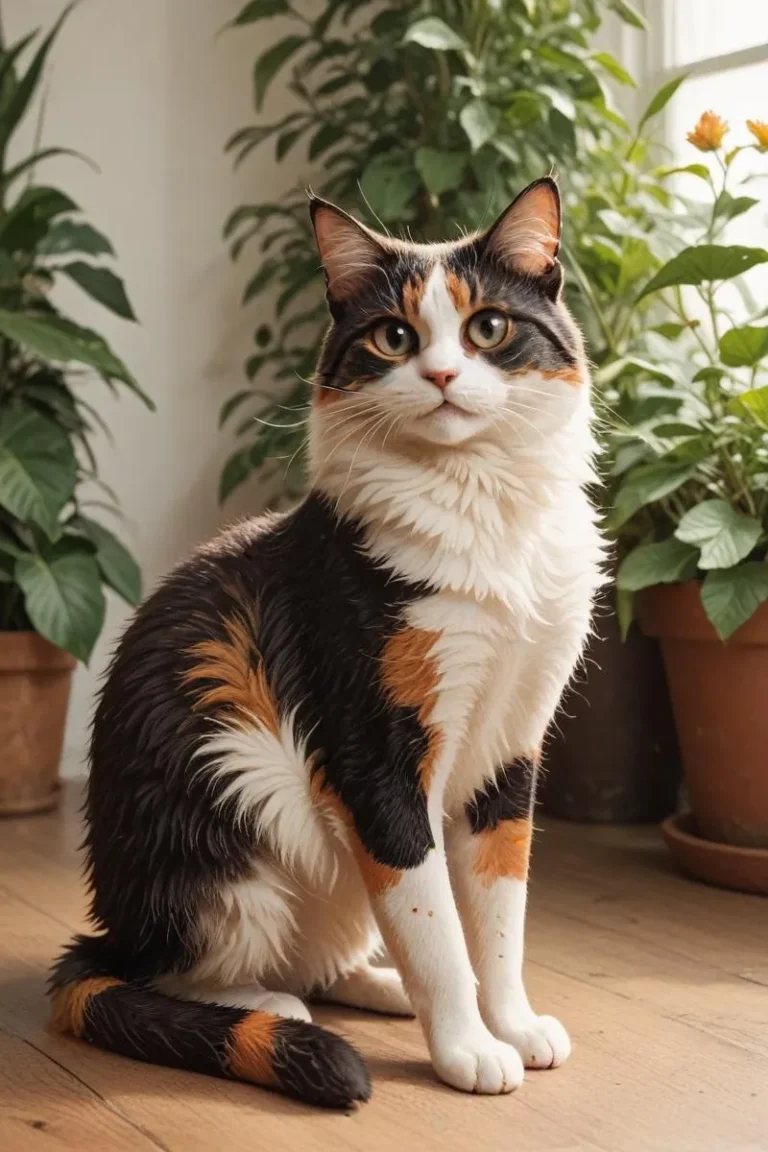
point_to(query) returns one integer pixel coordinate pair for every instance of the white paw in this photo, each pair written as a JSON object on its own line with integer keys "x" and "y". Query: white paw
{"x": 479, "y": 1064}
{"x": 541, "y": 1041}
{"x": 282, "y": 1004}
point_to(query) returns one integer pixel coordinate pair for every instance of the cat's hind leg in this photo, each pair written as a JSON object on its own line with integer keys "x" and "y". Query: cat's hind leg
{"x": 371, "y": 989}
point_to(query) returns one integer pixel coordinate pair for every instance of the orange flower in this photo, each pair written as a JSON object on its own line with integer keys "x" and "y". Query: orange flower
{"x": 759, "y": 130}
{"x": 708, "y": 134}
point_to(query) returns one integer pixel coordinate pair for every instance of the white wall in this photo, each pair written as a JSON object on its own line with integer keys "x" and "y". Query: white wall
{"x": 148, "y": 90}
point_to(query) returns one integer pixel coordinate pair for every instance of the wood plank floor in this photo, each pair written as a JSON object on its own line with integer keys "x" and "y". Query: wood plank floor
{"x": 663, "y": 984}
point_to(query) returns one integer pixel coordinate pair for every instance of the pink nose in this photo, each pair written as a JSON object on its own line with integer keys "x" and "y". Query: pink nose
{"x": 441, "y": 379}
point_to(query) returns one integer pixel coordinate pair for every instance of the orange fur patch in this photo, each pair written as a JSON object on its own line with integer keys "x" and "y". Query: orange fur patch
{"x": 240, "y": 686}
{"x": 568, "y": 375}
{"x": 504, "y": 851}
{"x": 413, "y": 293}
{"x": 378, "y": 877}
{"x": 410, "y": 675}
{"x": 251, "y": 1048}
{"x": 459, "y": 292}
{"x": 70, "y": 1003}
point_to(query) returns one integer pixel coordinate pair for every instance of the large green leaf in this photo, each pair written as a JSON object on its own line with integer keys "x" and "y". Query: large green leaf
{"x": 73, "y": 236}
{"x": 704, "y": 263}
{"x": 754, "y": 402}
{"x": 660, "y": 100}
{"x": 613, "y": 68}
{"x": 646, "y": 484}
{"x": 628, "y": 13}
{"x": 117, "y": 566}
{"x": 388, "y": 184}
{"x": 730, "y": 596}
{"x": 432, "y": 32}
{"x": 728, "y": 207}
{"x": 63, "y": 596}
{"x": 724, "y": 535}
{"x": 270, "y": 62}
{"x": 669, "y": 562}
{"x": 37, "y": 467}
{"x": 441, "y": 171}
{"x": 743, "y": 347}
{"x": 55, "y": 338}
{"x": 102, "y": 285}
{"x": 479, "y": 122}
{"x": 26, "y": 86}
{"x": 261, "y": 10}
{"x": 29, "y": 219}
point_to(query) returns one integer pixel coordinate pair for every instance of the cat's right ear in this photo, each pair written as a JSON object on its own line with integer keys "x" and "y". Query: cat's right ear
{"x": 350, "y": 252}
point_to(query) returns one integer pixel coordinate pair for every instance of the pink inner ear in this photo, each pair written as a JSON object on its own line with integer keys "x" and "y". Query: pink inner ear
{"x": 528, "y": 235}
{"x": 348, "y": 251}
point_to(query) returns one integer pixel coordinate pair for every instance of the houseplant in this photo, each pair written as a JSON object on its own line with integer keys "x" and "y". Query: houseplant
{"x": 431, "y": 116}
{"x": 55, "y": 558}
{"x": 691, "y": 515}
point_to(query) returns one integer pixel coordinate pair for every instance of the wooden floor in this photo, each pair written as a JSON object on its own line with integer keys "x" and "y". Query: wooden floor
{"x": 662, "y": 982}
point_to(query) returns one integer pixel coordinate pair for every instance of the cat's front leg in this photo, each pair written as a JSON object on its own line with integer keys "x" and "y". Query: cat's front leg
{"x": 489, "y": 846}
{"x": 402, "y": 860}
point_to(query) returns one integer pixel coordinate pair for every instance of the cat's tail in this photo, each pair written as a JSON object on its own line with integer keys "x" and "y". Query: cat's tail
{"x": 131, "y": 1018}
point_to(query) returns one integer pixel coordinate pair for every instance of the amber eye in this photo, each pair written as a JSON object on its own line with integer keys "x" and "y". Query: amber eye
{"x": 394, "y": 338}
{"x": 488, "y": 329}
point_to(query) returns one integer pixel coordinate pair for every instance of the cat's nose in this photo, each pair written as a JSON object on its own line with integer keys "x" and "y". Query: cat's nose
{"x": 442, "y": 379}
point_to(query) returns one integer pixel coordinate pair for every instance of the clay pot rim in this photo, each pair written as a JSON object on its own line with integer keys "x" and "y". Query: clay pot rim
{"x": 30, "y": 652}
{"x": 675, "y": 612}
{"x": 726, "y": 865}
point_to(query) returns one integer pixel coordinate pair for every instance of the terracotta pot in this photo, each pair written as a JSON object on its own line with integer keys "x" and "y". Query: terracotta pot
{"x": 720, "y": 699}
{"x": 34, "y": 693}
{"x": 612, "y": 756}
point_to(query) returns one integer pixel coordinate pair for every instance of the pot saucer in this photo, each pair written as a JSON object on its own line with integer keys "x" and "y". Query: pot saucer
{"x": 728, "y": 866}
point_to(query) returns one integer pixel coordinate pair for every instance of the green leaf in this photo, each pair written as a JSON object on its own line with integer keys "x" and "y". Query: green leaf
{"x": 625, "y": 611}
{"x": 479, "y": 122}
{"x": 29, "y": 219}
{"x": 37, "y": 467}
{"x": 270, "y": 62}
{"x": 260, "y": 10}
{"x": 646, "y": 484}
{"x": 63, "y": 596}
{"x": 236, "y": 470}
{"x": 675, "y": 428}
{"x": 432, "y": 32}
{"x": 669, "y": 562}
{"x": 71, "y": 236}
{"x": 27, "y": 84}
{"x": 35, "y": 158}
{"x": 55, "y": 338}
{"x": 754, "y": 401}
{"x": 440, "y": 171}
{"x": 743, "y": 347}
{"x": 232, "y": 404}
{"x": 670, "y": 329}
{"x": 260, "y": 280}
{"x": 102, "y": 285}
{"x": 732, "y": 595}
{"x": 328, "y": 135}
{"x": 699, "y": 170}
{"x": 388, "y": 184}
{"x": 660, "y": 100}
{"x": 628, "y": 13}
{"x": 613, "y": 68}
{"x": 728, "y": 207}
{"x": 118, "y": 567}
{"x": 704, "y": 263}
{"x": 724, "y": 535}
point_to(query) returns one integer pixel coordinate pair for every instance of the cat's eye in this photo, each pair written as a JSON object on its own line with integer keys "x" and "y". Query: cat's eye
{"x": 394, "y": 338}
{"x": 487, "y": 329}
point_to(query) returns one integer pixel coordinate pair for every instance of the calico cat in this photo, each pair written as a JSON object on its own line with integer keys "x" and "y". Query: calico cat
{"x": 323, "y": 730}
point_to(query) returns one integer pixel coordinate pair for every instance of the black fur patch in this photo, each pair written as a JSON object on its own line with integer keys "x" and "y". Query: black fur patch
{"x": 509, "y": 797}
{"x": 316, "y": 1066}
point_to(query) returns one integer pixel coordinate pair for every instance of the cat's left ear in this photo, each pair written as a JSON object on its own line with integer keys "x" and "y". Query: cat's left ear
{"x": 526, "y": 237}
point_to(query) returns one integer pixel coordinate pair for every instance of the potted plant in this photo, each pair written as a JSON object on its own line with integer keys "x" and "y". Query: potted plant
{"x": 55, "y": 559}
{"x": 691, "y": 515}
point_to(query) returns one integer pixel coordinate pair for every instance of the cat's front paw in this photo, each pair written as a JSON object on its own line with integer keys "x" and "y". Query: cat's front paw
{"x": 541, "y": 1041}
{"x": 480, "y": 1064}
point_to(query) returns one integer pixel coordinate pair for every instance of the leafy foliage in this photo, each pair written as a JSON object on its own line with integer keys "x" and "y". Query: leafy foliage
{"x": 54, "y": 560}
{"x": 430, "y": 115}
{"x": 690, "y": 446}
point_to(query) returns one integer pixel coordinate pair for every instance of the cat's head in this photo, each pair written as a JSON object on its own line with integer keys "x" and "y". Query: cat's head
{"x": 443, "y": 343}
